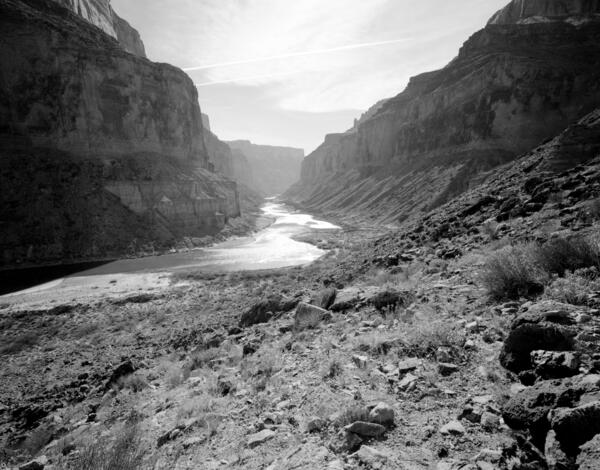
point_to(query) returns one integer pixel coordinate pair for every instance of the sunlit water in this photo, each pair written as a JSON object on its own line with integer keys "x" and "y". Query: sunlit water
{"x": 270, "y": 248}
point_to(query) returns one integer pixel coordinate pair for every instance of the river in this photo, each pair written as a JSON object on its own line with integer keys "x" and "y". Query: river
{"x": 270, "y": 248}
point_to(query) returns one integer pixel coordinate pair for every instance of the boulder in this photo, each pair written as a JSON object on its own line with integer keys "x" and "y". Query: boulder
{"x": 554, "y": 365}
{"x": 589, "y": 455}
{"x": 383, "y": 414}
{"x": 365, "y": 429}
{"x": 309, "y": 316}
{"x": 325, "y": 298}
{"x": 371, "y": 457}
{"x": 555, "y": 456}
{"x": 453, "y": 427}
{"x": 575, "y": 426}
{"x": 122, "y": 370}
{"x": 264, "y": 310}
{"x": 261, "y": 437}
{"x": 447, "y": 369}
{"x": 36, "y": 464}
{"x": 527, "y": 337}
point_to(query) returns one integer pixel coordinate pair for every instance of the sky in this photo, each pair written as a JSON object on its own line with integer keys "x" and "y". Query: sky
{"x": 287, "y": 72}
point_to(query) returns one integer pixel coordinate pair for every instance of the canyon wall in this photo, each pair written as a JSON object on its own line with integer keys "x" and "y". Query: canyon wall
{"x": 101, "y": 149}
{"x": 274, "y": 168}
{"x": 511, "y": 87}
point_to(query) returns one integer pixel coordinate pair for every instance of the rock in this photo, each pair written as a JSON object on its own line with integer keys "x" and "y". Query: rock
{"x": 124, "y": 369}
{"x": 525, "y": 338}
{"x": 589, "y": 454}
{"x": 360, "y": 361}
{"x": 408, "y": 365}
{"x": 315, "y": 424}
{"x": 447, "y": 369}
{"x": 488, "y": 455}
{"x": 553, "y": 365}
{"x": 193, "y": 441}
{"x": 36, "y": 464}
{"x": 260, "y": 438}
{"x": 575, "y": 426}
{"x": 383, "y": 414}
{"x": 555, "y": 456}
{"x": 346, "y": 299}
{"x": 345, "y": 441}
{"x": 371, "y": 457}
{"x": 453, "y": 427}
{"x": 490, "y": 421}
{"x": 263, "y": 311}
{"x": 365, "y": 429}
{"x": 443, "y": 354}
{"x": 309, "y": 316}
{"x": 408, "y": 382}
{"x": 387, "y": 299}
{"x": 335, "y": 465}
{"x": 325, "y": 299}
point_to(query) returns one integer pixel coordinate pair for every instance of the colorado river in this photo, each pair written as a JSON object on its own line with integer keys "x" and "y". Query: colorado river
{"x": 270, "y": 248}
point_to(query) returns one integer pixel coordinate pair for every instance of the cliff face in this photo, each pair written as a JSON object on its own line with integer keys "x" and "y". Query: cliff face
{"x": 100, "y": 14}
{"x": 275, "y": 169}
{"x": 511, "y": 87}
{"x": 532, "y": 11}
{"x": 97, "y": 144}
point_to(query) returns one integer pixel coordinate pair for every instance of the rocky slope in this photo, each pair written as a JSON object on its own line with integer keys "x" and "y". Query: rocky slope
{"x": 101, "y": 149}
{"x": 278, "y": 167}
{"x": 511, "y": 86}
{"x": 537, "y": 11}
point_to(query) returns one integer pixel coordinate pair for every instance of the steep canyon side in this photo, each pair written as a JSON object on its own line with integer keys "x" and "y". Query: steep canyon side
{"x": 102, "y": 150}
{"x": 513, "y": 84}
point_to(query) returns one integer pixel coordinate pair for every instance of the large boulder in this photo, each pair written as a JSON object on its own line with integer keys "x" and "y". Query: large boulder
{"x": 325, "y": 298}
{"x": 589, "y": 455}
{"x": 263, "y": 310}
{"x": 575, "y": 426}
{"x": 309, "y": 316}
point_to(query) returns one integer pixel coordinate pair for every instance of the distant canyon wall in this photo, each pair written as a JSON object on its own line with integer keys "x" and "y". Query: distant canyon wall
{"x": 102, "y": 150}
{"x": 510, "y": 87}
{"x": 274, "y": 168}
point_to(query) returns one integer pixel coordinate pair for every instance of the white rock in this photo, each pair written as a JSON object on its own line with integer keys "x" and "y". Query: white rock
{"x": 453, "y": 427}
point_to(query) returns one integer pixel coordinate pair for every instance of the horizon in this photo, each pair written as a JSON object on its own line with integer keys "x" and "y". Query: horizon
{"x": 287, "y": 75}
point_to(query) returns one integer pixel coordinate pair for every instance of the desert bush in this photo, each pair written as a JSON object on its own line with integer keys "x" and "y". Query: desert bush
{"x": 490, "y": 228}
{"x": 574, "y": 288}
{"x": 134, "y": 382}
{"x": 125, "y": 453}
{"x": 512, "y": 272}
{"x": 423, "y": 340}
{"x": 568, "y": 254}
{"x": 333, "y": 368}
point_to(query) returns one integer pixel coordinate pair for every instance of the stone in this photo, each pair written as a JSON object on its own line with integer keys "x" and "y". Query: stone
{"x": 553, "y": 365}
{"x": 555, "y": 456}
{"x": 193, "y": 441}
{"x": 409, "y": 365}
{"x": 371, "y": 457}
{"x": 447, "y": 369}
{"x": 261, "y": 437}
{"x": 309, "y": 316}
{"x": 122, "y": 370}
{"x": 360, "y": 361}
{"x": 38, "y": 463}
{"x": 365, "y": 429}
{"x": 589, "y": 454}
{"x": 575, "y": 426}
{"x": 315, "y": 424}
{"x": 525, "y": 338}
{"x": 453, "y": 427}
{"x": 383, "y": 414}
{"x": 490, "y": 421}
{"x": 264, "y": 310}
{"x": 345, "y": 441}
{"x": 325, "y": 298}
{"x": 408, "y": 382}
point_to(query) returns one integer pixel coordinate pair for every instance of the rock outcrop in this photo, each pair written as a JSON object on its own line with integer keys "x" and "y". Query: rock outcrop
{"x": 275, "y": 169}
{"x": 101, "y": 149}
{"x": 511, "y": 87}
{"x": 100, "y": 14}
{"x": 541, "y": 11}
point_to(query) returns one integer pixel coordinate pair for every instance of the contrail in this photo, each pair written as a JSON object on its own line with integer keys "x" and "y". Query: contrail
{"x": 241, "y": 79}
{"x": 297, "y": 54}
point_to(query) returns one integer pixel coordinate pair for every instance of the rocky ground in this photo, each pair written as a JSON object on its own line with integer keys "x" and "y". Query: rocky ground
{"x": 394, "y": 351}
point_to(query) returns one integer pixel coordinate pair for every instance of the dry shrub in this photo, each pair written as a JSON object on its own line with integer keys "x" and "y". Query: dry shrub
{"x": 125, "y": 453}
{"x": 512, "y": 272}
{"x": 568, "y": 254}
{"x": 574, "y": 288}
{"x": 423, "y": 340}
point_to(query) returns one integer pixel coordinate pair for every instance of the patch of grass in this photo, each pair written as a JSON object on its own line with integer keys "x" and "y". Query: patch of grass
{"x": 424, "y": 339}
{"x": 560, "y": 255}
{"x": 125, "y": 453}
{"x": 574, "y": 288}
{"x": 20, "y": 343}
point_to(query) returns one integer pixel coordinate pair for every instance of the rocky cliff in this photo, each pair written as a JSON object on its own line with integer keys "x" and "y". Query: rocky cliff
{"x": 101, "y": 150}
{"x": 512, "y": 86}
{"x": 534, "y": 11}
{"x": 275, "y": 169}
{"x": 100, "y": 14}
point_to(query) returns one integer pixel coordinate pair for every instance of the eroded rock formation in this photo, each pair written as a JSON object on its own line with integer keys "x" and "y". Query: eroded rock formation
{"x": 511, "y": 87}
{"x": 101, "y": 149}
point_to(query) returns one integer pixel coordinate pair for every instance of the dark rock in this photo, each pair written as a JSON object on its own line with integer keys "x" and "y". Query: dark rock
{"x": 365, "y": 429}
{"x": 528, "y": 337}
{"x": 325, "y": 298}
{"x": 382, "y": 413}
{"x": 124, "y": 369}
{"x": 554, "y": 365}
{"x": 264, "y": 310}
{"x": 447, "y": 369}
{"x": 575, "y": 426}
